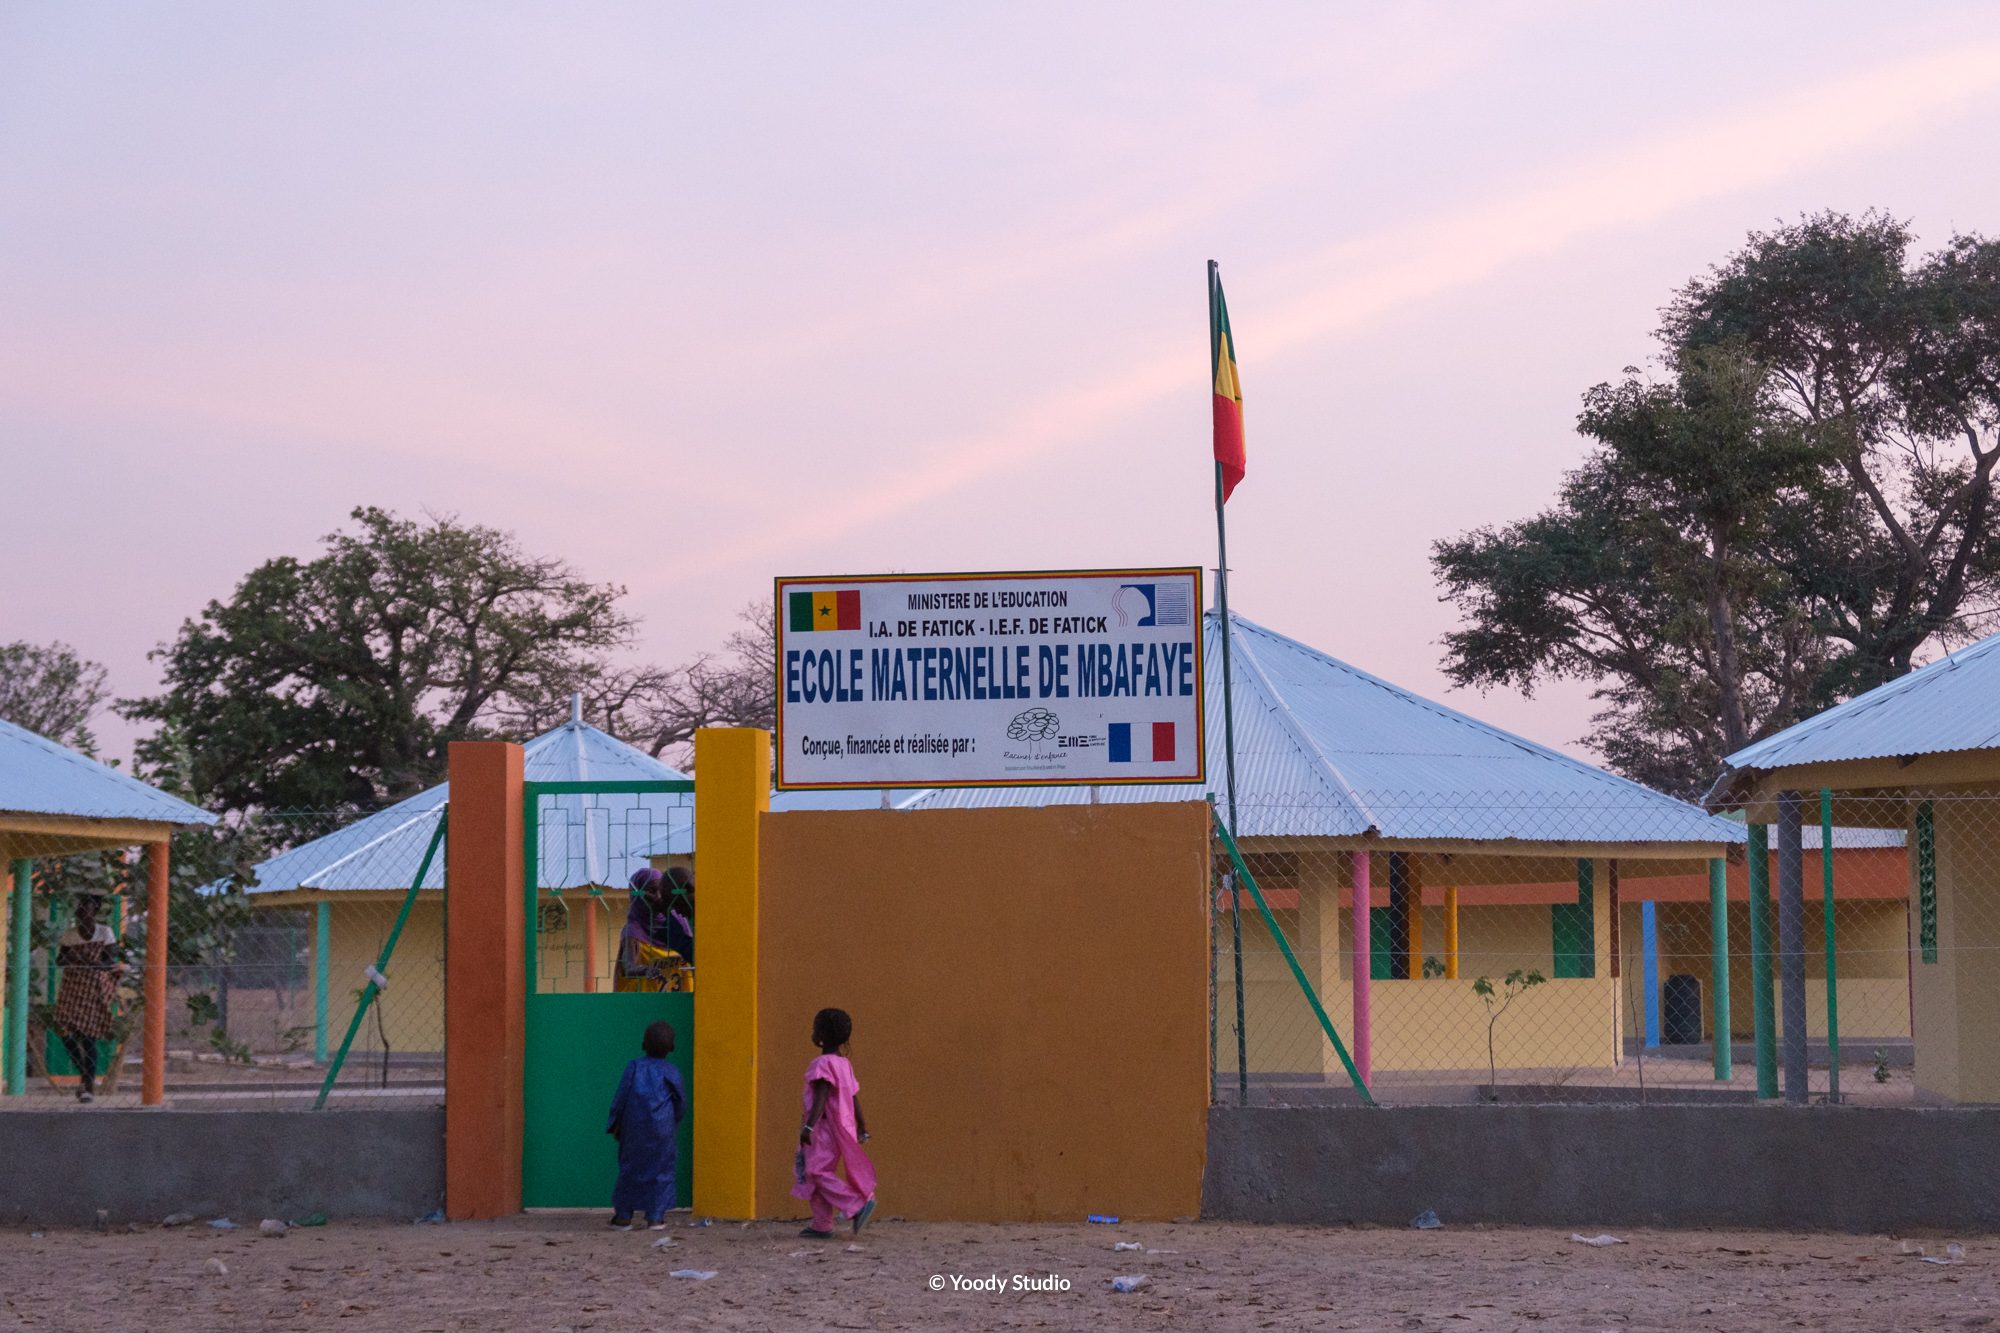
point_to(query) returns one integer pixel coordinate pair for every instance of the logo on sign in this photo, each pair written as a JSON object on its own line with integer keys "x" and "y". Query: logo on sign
{"x": 1146, "y": 605}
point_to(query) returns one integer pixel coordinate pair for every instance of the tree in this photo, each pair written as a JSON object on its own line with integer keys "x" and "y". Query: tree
{"x": 1498, "y": 999}
{"x": 1894, "y": 369}
{"x": 51, "y": 691}
{"x": 1786, "y": 518}
{"x": 336, "y": 683}
{"x": 1653, "y": 573}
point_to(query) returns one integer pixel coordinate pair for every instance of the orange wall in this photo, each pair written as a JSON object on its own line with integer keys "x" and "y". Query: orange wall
{"x": 1029, "y": 992}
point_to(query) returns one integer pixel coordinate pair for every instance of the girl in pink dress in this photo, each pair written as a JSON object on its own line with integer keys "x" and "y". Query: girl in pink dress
{"x": 831, "y": 1134}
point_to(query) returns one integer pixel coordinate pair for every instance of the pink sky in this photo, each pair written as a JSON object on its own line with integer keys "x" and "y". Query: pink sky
{"x": 696, "y": 299}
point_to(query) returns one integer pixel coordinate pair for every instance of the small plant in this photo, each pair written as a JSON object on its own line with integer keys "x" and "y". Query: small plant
{"x": 1433, "y": 968}
{"x": 1497, "y": 1000}
{"x": 1881, "y": 1065}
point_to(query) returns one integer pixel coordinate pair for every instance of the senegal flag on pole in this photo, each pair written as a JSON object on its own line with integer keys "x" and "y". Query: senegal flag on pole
{"x": 1228, "y": 389}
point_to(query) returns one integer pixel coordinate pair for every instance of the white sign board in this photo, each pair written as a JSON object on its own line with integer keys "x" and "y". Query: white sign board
{"x": 990, "y": 680}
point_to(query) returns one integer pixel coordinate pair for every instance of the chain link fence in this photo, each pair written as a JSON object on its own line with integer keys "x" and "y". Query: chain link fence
{"x": 306, "y": 950}
{"x": 1610, "y": 954}
{"x": 305, "y": 963}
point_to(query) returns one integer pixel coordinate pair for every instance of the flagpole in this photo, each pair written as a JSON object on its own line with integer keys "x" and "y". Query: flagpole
{"x": 1228, "y": 700}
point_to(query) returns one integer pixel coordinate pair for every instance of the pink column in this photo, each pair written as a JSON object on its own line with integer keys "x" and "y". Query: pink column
{"x": 1363, "y": 1044}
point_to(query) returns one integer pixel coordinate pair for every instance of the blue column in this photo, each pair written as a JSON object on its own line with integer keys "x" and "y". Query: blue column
{"x": 1650, "y": 972}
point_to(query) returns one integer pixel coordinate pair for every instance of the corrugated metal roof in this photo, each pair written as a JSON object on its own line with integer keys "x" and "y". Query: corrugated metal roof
{"x": 1325, "y": 749}
{"x": 583, "y": 840}
{"x": 1952, "y": 704}
{"x": 40, "y": 777}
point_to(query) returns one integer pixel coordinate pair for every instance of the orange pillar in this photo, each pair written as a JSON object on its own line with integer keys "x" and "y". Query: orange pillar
{"x": 590, "y": 945}
{"x": 153, "y": 1075}
{"x": 485, "y": 982}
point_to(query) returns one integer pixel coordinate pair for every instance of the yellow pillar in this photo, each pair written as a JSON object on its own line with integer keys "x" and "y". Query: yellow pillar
{"x": 732, "y": 789}
{"x": 1451, "y": 934}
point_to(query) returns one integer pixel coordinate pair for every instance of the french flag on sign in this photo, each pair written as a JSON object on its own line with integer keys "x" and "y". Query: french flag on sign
{"x": 1141, "y": 743}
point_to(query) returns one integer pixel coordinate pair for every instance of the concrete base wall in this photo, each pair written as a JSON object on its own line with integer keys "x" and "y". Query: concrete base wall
{"x": 59, "y": 1167}
{"x": 1821, "y": 1168}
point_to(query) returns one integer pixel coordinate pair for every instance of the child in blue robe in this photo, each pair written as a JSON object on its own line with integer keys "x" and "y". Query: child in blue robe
{"x": 646, "y": 1116}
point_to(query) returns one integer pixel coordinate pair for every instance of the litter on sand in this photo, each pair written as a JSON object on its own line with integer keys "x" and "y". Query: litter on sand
{"x": 1427, "y": 1220}
{"x": 315, "y": 1220}
{"x": 222, "y": 1224}
{"x": 433, "y": 1218}
{"x": 1103, "y": 1219}
{"x": 1128, "y": 1245}
{"x": 271, "y": 1226}
{"x": 697, "y": 1274}
{"x": 176, "y": 1219}
{"x": 855, "y": 1249}
{"x": 1131, "y": 1282}
{"x": 216, "y": 1268}
{"x": 1599, "y": 1240}
{"x": 665, "y": 1243}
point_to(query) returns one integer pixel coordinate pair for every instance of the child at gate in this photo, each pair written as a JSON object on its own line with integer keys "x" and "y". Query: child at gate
{"x": 831, "y": 1134}
{"x": 646, "y": 1116}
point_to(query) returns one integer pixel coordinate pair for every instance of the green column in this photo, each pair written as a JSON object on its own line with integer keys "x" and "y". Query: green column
{"x": 1792, "y": 943}
{"x": 18, "y": 938}
{"x": 322, "y": 928}
{"x": 1826, "y": 919}
{"x": 1718, "y": 964}
{"x": 1760, "y": 962}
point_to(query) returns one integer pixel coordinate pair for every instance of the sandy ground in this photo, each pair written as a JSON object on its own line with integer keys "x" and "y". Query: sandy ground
{"x": 570, "y": 1272}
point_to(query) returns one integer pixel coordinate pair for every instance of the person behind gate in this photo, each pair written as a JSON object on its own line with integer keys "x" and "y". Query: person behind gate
{"x": 646, "y": 1116}
{"x": 87, "y": 953}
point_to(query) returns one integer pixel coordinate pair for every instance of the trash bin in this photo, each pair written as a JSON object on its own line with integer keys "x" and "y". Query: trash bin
{"x": 1680, "y": 1011}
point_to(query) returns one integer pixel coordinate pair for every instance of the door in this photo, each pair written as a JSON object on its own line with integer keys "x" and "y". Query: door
{"x": 583, "y": 841}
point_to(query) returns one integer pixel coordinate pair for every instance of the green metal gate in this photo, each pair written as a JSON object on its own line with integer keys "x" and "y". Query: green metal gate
{"x": 583, "y": 841}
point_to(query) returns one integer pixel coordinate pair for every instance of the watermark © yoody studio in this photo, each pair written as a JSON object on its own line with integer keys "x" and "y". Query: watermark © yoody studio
{"x": 996, "y": 1282}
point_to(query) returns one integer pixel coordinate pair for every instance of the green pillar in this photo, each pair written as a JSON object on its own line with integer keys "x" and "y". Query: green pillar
{"x": 1760, "y": 962}
{"x": 19, "y": 935}
{"x": 322, "y": 950}
{"x": 1826, "y": 920}
{"x": 1718, "y": 965}
{"x": 1792, "y": 943}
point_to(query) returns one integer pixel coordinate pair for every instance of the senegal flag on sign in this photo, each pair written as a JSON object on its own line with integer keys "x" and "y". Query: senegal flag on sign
{"x": 1228, "y": 389}
{"x": 805, "y": 611}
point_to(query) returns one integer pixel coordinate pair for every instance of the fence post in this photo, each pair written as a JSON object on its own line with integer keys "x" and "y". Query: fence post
{"x": 1826, "y": 920}
{"x": 1718, "y": 967}
{"x": 1762, "y": 1019}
